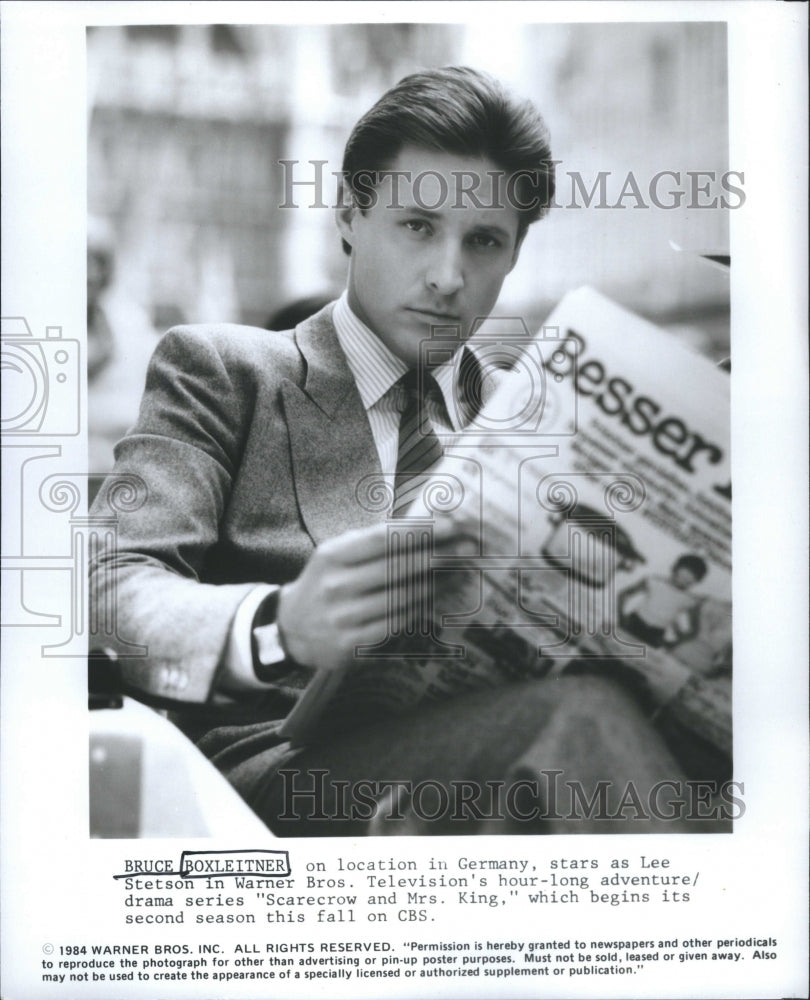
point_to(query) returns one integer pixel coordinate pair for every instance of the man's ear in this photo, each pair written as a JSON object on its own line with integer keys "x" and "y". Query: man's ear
{"x": 345, "y": 213}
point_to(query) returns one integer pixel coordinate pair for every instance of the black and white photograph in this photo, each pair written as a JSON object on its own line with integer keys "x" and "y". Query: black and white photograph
{"x": 404, "y": 435}
{"x": 358, "y": 223}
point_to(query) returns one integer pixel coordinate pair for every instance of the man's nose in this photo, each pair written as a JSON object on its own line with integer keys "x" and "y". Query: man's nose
{"x": 445, "y": 273}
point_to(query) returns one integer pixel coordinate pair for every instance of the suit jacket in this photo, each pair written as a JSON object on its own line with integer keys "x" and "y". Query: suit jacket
{"x": 251, "y": 445}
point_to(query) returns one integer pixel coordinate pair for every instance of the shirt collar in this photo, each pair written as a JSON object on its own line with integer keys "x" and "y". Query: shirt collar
{"x": 375, "y": 368}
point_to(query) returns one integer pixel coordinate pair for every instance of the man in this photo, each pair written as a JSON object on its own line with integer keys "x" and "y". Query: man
{"x": 252, "y": 563}
{"x": 655, "y": 608}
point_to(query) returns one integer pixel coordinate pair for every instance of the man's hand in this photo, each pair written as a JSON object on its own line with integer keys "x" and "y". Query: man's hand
{"x": 345, "y": 595}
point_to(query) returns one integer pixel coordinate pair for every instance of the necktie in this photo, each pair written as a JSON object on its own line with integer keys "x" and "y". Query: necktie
{"x": 419, "y": 447}
{"x": 470, "y": 386}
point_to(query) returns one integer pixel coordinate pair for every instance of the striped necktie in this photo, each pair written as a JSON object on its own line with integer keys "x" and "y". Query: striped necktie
{"x": 419, "y": 448}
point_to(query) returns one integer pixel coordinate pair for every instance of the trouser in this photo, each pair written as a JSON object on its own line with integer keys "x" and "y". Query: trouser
{"x": 565, "y": 754}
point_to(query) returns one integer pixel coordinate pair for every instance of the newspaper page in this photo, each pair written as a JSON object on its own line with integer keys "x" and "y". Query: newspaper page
{"x": 170, "y": 164}
{"x": 602, "y": 499}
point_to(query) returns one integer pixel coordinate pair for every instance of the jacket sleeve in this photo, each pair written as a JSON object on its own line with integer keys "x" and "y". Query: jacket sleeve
{"x": 145, "y": 577}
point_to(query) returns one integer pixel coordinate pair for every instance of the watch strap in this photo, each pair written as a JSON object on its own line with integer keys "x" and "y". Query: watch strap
{"x": 270, "y": 661}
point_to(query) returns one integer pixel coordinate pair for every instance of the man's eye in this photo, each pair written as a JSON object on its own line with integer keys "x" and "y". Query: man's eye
{"x": 485, "y": 240}
{"x": 416, "y": 225}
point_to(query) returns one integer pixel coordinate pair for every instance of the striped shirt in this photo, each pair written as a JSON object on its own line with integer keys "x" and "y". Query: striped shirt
{"x": 376, "y": 371}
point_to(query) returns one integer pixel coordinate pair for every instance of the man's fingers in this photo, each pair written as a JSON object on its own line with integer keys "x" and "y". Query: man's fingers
{"x": 382, "y": 575}
{"x": 393, "y": 605}
{"x": 390, "y": 603}
{"x": 370, "y": 635}
{"x": 365, "y": 545}
{"x": 353, "y": 548}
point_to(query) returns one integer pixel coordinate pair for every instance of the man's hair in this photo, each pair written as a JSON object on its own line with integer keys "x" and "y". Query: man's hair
{"x": 696, "y": 566}
{"x": 462, "y": 111}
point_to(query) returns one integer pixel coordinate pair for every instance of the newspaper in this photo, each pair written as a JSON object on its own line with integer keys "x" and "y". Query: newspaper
{"x": 592, "y": 500}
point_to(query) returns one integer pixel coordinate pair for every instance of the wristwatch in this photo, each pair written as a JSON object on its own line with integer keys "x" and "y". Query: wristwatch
{"x": 270, "y": 661}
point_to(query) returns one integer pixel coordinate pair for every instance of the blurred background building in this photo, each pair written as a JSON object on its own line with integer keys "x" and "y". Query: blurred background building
{"x": 188, "y": 123}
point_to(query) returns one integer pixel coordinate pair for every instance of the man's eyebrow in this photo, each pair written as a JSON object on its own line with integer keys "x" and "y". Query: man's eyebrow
{"x": 413, "y": 209}
{"x": 484, "y": 228}
{"x": 489, "y": 229}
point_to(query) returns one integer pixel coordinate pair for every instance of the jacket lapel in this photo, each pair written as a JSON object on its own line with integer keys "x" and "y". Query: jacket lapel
{"x": 331, "y": 443}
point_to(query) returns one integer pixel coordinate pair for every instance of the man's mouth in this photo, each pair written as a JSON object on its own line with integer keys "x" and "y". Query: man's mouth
{"x": 436, "y": 315}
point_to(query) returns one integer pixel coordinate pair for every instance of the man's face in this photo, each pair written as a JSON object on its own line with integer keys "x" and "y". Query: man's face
{"x": 425, "y": 254}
